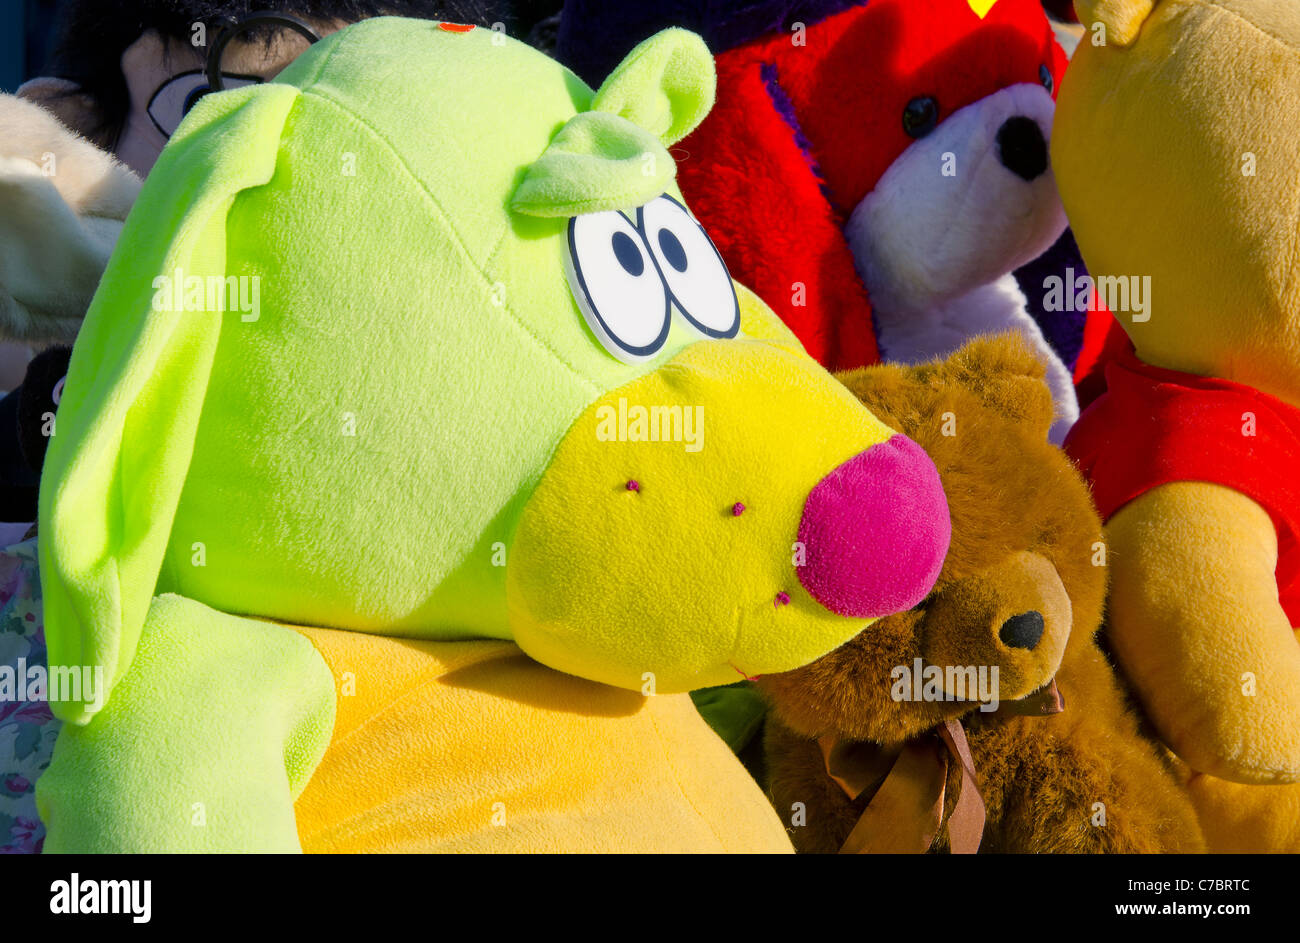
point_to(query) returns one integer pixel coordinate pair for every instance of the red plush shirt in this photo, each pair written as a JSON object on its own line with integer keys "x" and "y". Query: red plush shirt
{"x": 1153, "y": 426}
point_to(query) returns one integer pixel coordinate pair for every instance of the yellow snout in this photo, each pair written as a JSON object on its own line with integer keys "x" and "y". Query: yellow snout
{"x": 735, "y": 512}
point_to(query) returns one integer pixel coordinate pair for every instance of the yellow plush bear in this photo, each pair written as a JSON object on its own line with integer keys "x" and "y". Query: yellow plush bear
{"x": 1175, "y": 153}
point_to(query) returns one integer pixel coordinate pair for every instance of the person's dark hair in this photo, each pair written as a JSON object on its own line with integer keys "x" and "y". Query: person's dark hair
{"x": 91, "y": 35}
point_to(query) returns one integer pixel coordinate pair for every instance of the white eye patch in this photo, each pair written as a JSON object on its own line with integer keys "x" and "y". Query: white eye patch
{"x": 625, "y": 277}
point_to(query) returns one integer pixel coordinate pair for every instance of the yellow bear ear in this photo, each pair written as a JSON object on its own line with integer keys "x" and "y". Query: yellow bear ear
{"x": 1121, "y": 19}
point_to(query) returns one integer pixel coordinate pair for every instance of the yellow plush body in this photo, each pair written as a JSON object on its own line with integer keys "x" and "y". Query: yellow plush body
{"x": 1175, "y": 154}
{"x": 513, "y": 756}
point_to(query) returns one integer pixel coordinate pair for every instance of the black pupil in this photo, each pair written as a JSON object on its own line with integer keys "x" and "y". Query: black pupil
{"x": 627, "y": 253}
{"x": 192, "y": 99}
{"x": 1045, "y": 76}
{"x": 672, "y": 249}
{"x": 920, "y": 116}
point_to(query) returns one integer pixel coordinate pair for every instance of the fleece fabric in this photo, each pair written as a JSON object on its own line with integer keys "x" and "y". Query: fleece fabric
{"x": 1241, "y": 819}
{"x": 1201, "y": 631}
{"x": 579, "y": 526}
{"x": 1208, "y": 219}
{"x": 238, "y": 425}
{"x": 1149, "y": 157}
{"x": 474, "y": 747}
{"x": 1155, "y": 426}
{"x": 810, "y": 116}
{"x": 805, "y": 271}
{"x": 327, "y": 374}
{"x": 273, "y": 410}
{"x": 192, "y": 754}
{"x": 432, "y": 747}
{"x": 831, "y": 118}
{"x": 1024, "y": 539}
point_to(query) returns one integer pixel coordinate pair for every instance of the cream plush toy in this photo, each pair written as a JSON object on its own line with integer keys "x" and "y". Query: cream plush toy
{"x": 1175, "y": 154}
{"x": 62, "y": 204}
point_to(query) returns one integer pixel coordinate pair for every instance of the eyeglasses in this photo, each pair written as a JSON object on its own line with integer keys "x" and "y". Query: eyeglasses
{"x": 173, "y": 100}
{"x": 233, "y": 28}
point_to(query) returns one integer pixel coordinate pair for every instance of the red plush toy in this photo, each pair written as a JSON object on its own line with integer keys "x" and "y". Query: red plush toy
{"x": 886, "y": 149}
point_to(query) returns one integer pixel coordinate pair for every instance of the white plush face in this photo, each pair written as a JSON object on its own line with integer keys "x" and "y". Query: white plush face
{"x": 962, "y": 206}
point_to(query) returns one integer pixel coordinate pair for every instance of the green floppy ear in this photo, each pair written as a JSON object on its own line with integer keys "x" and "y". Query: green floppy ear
{"x": 615, "y": 155}
{"x": 135, "y": 388}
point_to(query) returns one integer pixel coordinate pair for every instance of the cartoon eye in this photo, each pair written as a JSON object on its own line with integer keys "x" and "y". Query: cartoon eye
{"x": 920, "y": 116}
{"x": 616, "y": 285}
{"x": 692, "y": 267}
{"x": 1045, "y": 76}
{"x": 175, "y": 97}
{"x": 193, "y": 97}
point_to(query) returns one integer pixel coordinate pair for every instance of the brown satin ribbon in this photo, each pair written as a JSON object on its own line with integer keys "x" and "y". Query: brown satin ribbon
{"x": 966, "y": 824}
{"x": 908, "y": 784}
{"x": 1046, "y": 700}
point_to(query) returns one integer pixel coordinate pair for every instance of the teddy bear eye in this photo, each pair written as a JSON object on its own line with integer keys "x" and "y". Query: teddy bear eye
{"x": 1045, "y": 76}
{"x": 920, "y": 116}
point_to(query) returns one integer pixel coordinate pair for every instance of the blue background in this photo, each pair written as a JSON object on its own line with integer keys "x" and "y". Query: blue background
{"x": 24, "y": 39}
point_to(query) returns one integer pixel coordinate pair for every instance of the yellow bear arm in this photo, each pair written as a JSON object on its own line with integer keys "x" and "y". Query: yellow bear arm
{"x": 1196, "y": 625}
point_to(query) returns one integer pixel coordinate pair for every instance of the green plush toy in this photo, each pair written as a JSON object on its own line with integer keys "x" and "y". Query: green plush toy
{"x": 418, "y": 342}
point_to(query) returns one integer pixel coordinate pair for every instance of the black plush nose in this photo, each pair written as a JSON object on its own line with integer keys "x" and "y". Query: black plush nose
{"x": 1022, "y": 147}
{"x": 1022, "y": 631}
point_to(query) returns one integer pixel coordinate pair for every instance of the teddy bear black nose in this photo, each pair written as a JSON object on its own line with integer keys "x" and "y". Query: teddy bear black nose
{"x": 1022, "y": 147}
{"x": 1022, "y": 631}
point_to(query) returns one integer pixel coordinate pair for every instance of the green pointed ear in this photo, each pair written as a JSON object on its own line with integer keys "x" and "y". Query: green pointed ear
{"x": 135, "y": 388}
{"x": 665, "y": 85}
{"x": 614, "y": 156}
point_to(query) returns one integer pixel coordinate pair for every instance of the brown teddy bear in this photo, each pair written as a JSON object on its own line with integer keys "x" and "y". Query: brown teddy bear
{"x": 894, "y": 717}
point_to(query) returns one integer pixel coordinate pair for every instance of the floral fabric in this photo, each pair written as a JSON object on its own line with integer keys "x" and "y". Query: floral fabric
{"x": 27, "y": 728}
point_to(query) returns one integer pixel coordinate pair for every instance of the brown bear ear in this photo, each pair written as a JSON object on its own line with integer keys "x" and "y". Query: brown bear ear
{"x": 1007, "y": 376}
{"x": 885, "y": 389}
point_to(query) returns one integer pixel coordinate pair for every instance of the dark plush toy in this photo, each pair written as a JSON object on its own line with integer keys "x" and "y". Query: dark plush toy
{"x": 26, "y": 423}
{"x": 37, "y": 400}
{"x": 1019, "y": 591}
{"x": 1061, "y": 9}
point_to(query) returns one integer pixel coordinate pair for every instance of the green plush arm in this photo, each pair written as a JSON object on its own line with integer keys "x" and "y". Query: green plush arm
{"x": 204, "y": 746}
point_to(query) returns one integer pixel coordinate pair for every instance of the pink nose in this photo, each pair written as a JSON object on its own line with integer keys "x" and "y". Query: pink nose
{"x": 875, "y": 532}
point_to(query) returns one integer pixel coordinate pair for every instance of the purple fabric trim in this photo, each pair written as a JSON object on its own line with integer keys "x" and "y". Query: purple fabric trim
{"x": 1062, "y": 330}
{"x": 785, "y": 108}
